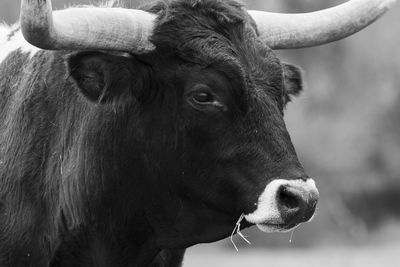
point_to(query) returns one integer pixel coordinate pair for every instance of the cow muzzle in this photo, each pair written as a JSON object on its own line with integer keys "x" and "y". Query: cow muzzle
{"x": 285, "y": 204}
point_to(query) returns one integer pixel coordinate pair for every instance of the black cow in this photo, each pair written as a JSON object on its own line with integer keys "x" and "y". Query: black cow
{"x": 126, "y": 157}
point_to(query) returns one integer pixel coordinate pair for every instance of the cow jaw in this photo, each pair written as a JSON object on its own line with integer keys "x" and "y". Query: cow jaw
{"x": 274, "y": 215}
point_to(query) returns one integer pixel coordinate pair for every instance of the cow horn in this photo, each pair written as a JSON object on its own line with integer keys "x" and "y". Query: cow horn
{"x": 287, "y": 31}
{"x": 86, "y": 28}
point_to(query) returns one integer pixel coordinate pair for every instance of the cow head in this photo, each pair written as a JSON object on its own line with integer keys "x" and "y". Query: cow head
{"x": 205, "y": 137}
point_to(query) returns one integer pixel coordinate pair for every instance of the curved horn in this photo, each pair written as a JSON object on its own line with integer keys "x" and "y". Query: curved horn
{"x": 286, "y": 31}
{"x": 86, "y": 28}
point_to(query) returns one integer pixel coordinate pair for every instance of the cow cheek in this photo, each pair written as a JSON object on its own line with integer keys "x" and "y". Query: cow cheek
{"x": 194, "y": 225}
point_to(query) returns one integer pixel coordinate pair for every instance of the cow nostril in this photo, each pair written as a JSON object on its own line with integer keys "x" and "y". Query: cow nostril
{"x": 289, "y": 199}
{"x": 296, "y": 203}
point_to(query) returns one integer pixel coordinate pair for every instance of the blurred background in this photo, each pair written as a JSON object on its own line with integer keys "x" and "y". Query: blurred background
{"x": 346, "y": 129}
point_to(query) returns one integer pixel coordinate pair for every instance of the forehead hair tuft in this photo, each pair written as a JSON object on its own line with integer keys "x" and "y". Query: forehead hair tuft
{"x": 225, "y": 11}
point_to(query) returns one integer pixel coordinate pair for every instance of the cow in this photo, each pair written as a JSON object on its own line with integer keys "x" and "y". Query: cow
{"x": 130, "y": 135}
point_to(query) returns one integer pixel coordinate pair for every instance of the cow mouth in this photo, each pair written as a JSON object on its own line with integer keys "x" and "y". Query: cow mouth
{"x": 272, "y": 227}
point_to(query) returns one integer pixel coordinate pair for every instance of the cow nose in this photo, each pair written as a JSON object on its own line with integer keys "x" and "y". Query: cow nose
{"x": 296, "y": 204}
{"x": 284, "y": 204}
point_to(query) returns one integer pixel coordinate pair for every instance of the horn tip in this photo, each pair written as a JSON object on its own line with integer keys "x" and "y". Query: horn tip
{"x": 386, "y": 4}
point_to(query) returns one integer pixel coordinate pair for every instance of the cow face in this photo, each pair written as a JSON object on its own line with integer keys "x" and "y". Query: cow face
{"x": 211, "y": 131}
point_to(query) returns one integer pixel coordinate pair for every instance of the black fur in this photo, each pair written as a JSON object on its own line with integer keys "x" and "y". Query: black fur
{"x": 108, "y": 159}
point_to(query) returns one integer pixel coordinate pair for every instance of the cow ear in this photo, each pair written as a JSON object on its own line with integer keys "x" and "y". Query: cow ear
{"x": 102, "y": 77}
{"x": 292, "y": 81}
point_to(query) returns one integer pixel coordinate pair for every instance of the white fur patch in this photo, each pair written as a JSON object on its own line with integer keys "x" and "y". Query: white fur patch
{"x": 17, "y": 41}
{"x": 274, "y": 229}
{"x": 267, "y": 216}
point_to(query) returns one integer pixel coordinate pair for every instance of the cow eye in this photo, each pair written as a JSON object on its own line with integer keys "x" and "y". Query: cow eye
{"x": 201, "y": 97}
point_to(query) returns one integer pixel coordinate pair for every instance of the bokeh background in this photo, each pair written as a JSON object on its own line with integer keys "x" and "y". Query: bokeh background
{"x": 346, "y": 129}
